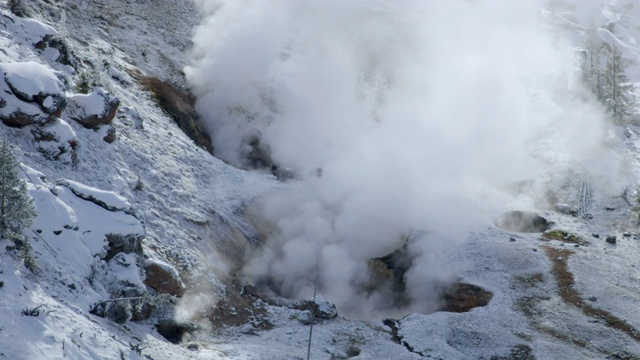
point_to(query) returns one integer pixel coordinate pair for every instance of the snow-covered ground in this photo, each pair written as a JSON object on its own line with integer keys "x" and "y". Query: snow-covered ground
{"x": 153, "y": 183}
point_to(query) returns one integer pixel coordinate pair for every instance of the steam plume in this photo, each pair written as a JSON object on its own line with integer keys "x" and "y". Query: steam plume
{"x": 401, "y": 119}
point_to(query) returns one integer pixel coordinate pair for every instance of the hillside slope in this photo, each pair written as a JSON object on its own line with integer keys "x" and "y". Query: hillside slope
{"x": 133, "y": 209}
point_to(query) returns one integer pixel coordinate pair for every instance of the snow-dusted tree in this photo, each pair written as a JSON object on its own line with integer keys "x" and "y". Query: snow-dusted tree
{"x": 592, "y": 64}
{"x": 617, "y": 91}
{"x": 16, "y": 206}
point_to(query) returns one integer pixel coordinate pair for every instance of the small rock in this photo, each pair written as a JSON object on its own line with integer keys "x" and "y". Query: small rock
{"x": 512, "y": 239}
{"x": 611, "y": 239}
{"x": 57, "y": 232}
{"x": 336, "y": 353}
{"x": 593, "y": 298}
{"x": 123, "y": 260}
{"x": 248, "y": 329}
{"x": 627, "y": 234}
{"x": 567, "y": 209}
{"x": 111, "y": 135}
{"x": 325, "y": 310}
{"x": 306, "y": 317}
{"x": 193, "y": 346}
{"x": 595, "y": 235}
{"x": 534, "y": 249}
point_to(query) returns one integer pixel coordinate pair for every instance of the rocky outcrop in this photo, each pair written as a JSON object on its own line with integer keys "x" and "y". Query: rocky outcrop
{"x": 19, "y": 118}
{"x": 523, "y": 221}
{"x": 59, "y": 49}
{"x": 119, "y": 243}
{"x": 56, "y": 141}
{"x": 107, "y": 200}
{"x": 163, "y": 278}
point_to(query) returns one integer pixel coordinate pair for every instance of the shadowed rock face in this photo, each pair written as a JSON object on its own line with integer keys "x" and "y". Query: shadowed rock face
{"x": 172, "y": 331}
{"x": 524, "y": 222}
{"x": 461, "y": 297}
{"x": 456, "y": 297}
{"x": 163, "y": 279}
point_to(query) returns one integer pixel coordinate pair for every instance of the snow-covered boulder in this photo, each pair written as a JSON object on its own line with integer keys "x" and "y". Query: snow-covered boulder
{"x": 30, "y": 93}
{"x": 94, "y": 109}
{"x": 56, "y": 140}
{"x": 31, "y": 31}
{"x": 125, "y": 276}
{"x": 19, "y": 114}
{"x": 105, "y": 199}
{"x": 325, "y": 309}
{"x": 34, "y": 82}
{"x": 163, "y": 278}
{"x": 319, "y": 306}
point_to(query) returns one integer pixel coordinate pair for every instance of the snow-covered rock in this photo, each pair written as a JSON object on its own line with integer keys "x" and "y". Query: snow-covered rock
{"x": 34, "y": 82}
{"x": 29, "y": 30}
{"x": 325, "y": 309}
{"x": 56, "y": 140}
{"x": 76, "y": 230}
{"x": 126, "y": 275}
{"x": 108, "y": 200}
{"x": 30, "y": 93}
{"x": 94, "y": 109}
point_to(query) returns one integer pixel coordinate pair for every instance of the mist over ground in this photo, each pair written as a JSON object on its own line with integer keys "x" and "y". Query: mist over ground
{"x": 404, "y": 122}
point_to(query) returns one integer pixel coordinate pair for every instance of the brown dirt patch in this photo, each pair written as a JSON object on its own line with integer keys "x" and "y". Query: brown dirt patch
{"x": 565, "y": 281}
{"x": 238, "y": 308}
{"x": 180, "y": 106}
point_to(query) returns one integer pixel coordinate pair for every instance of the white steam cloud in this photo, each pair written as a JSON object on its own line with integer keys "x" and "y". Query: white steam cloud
{"x": 399, "y": 118}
